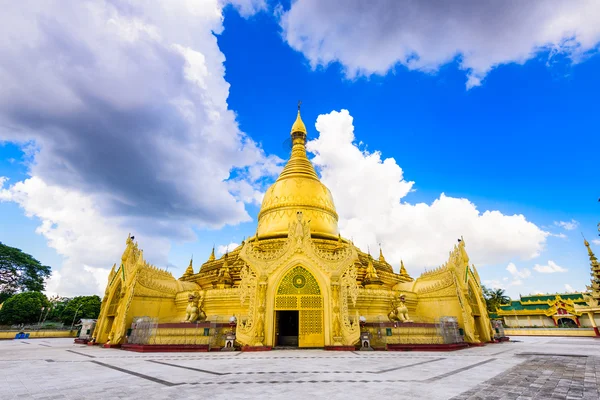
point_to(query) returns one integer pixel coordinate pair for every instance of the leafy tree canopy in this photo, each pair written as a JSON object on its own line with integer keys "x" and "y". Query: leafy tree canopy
{"x": 84, "y": 306}
{"x": 57, "y": 307}
{"x": 494, "y": 298}
{"x": 23, "y": 308}
{"x": 20, "y": 272}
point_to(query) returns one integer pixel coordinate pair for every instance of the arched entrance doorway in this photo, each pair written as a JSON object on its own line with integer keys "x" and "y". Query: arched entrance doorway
{"x": 299, "y": 310}
{"x": 566, "y": 323}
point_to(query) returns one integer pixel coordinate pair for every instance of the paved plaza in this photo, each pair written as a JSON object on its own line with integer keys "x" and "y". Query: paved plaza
{"x": 529, "y": 368}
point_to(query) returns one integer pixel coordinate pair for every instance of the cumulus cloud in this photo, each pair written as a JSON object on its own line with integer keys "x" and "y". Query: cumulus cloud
{"x": 75, "y": 227}
{"x": 121, "y": 107}
{"x": 222, "y": 249}
{"x": 567, "y": 225}
{"x": 494, "y": 284}
{"x": 596, "y": 242}
{"x": 569, "y": 288}
{"x": 368, "y": 192}
{"x": 551, "y": 268}
{"x": 518, "y": 275}
{"x": 247, "y": 8}
{"x": 373, "y": 37}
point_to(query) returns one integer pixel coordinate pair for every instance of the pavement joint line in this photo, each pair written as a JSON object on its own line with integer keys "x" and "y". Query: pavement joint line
{"x": 456, "y": 371}
{"x": 190, "y": 368}
{"x": 297, "y": 372}
{"x": 81, "y": 354}
{"x": 143, "y": 376}
{"x": 551, "y": 354}
{"x": 407, "y": 366}
{"x": 45, "y": 345}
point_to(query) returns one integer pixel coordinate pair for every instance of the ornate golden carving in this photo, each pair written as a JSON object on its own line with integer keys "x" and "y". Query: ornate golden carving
{"x": 194, "y": 311}
{"x": 298, "y": 281}
{"x": 247, "y": 289}
{"x": 399, "y": 311}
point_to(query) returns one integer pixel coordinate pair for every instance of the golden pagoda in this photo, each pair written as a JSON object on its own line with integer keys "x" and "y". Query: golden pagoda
{"x": 296, "y": 282}
{"x": 592, "y": 296}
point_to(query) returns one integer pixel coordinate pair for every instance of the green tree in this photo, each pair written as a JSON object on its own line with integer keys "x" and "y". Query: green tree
{"x": 4, "y": 296}
{"x": 57, "y": 307}
{"x": 84, "y": 306}
{"x": 494, "y": 298}
{"x": 23, "y": 308}
{"x": 20, "y": 272}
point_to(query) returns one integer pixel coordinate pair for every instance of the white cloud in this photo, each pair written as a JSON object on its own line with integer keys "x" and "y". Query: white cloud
{"x": 247, "y": 7}
{"x": 222, "y": 249}
{"x": 515, "y": 272}
{"x": 369, "y": 192}
{"x": 73, "y": 225}
{"x": 494, "y": 284}
{"x": 558, "y": 235}
{"x": 596, "y": 242}
{"x": 121, "y": 109}
{"x": 567, "y": 225}
{"x": 551, "y": 268}
{"x": 569, "y": 288}
{"x": 372, "y": 37}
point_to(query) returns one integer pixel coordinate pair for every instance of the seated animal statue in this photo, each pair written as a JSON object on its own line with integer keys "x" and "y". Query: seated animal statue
{"x": 194, "y": 312}
{"x": 399, "y": 311}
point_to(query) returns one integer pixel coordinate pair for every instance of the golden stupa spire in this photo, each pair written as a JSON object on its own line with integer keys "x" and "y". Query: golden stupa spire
{"x": 587, "y": 244}
{"x": 298, "y": 126}
{"x": 381, "y": 257}
{"x": 371, "y": 278}
{"x": 212, "y": 255}
{"x": 402, "y": 269}
{"x": 298, "y": 165}
{"x": 190, "y": 269}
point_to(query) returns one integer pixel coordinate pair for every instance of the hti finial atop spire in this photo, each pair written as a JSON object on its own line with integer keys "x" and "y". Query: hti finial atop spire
{"x": 298, "y": 126}
{"x": 585, "y": 242}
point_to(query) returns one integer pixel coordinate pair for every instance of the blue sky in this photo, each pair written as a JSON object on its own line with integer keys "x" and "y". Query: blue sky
{"x": 520, "y": 141}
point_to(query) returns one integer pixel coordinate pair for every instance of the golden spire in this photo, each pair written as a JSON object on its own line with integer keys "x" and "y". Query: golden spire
{"x": 298, "y": 126}
{"x": 371, "y": 278}
{"x": 190, "y": 269}
{"x": 587, "y": 244}
{"x": 381, "y": 257}
{"x": 402, "y": 269}
{"x": 212, "y": 255}
{"x": 224, "y": 278}
{"x": 298, "y": 165}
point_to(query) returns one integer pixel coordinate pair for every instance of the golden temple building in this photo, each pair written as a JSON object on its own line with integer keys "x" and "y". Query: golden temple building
{"x": 561, "y": 310}
{"x": 297, "y": 282}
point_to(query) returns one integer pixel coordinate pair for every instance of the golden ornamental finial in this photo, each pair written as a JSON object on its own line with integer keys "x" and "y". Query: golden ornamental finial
{"x": 585, "y": 242}
{"x": 298, "y": 124}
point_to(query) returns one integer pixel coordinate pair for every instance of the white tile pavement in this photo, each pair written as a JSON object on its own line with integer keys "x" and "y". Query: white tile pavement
{"x": 60, "y": 369}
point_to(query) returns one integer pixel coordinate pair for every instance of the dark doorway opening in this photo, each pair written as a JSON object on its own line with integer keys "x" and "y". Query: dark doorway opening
{"x": 566, "y": 323}
{"x": 287, "y": 328}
